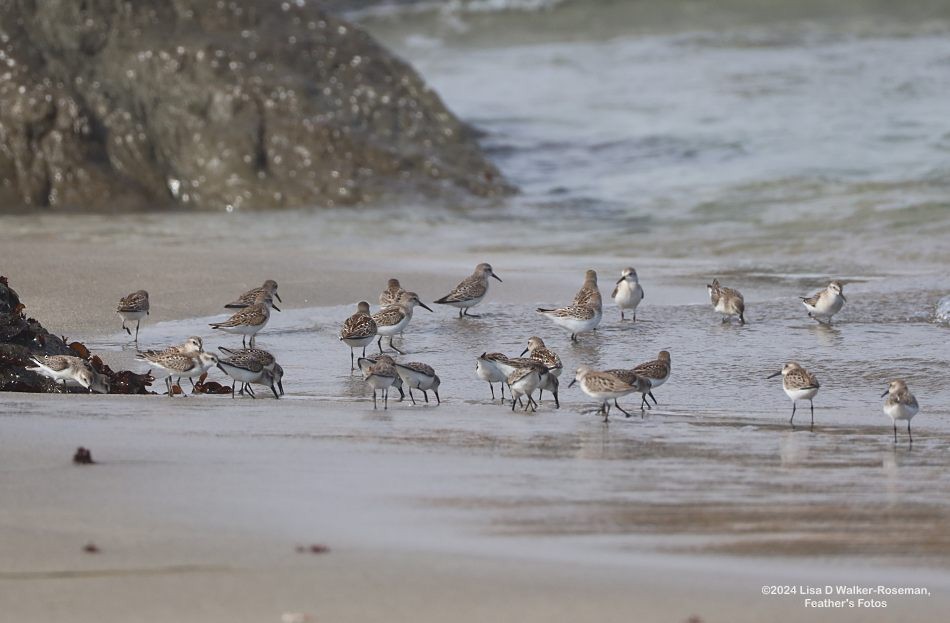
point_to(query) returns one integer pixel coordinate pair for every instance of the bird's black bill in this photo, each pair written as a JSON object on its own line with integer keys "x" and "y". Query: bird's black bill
{"x": 278, "y": 297}
{"x": 523, "y": 352}
{"x": 274, "y": 307}
{"x": 421, "y": 304}
{"x": 772, "y": 376}
{"x": 885, "y": 393}
{"x": 496, "y": 277}
{"x": 571, "y": 384}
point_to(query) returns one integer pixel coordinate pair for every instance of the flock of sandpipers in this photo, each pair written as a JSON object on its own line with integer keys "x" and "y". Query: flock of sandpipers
{"x": 523, "y": 376}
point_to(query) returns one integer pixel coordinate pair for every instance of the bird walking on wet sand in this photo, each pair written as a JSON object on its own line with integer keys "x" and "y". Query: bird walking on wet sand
{"x": 799, "y": 384}
{"x": 179, "y": 365}
{"x": 380, "y": 375}
{"x": 628, "y": 293}
{"x": 192, "y": 346}
{"x": 246, "y": 368}
{"x": 585, "y": 311}
{"x": 248, "y": 321}
{"x": 358, "y": 331}
{"x": 540, "y": 352}
{"x": 470, "y": 291}
{"x": 133, "y": 307}
{"x": 250, "y": 297}
{"x": 267, "y": 360}
{"x": 603, "y": 387}
{"x": 823, "y": 305}
{"x": 900, "y": 404}
{"x": 421, "y": 376}
{"x": 395, "y": 318}
{"x": 486, "y": 368}
{"x": 656, "y": 372}
{"x": 522, "y": 381}
{"x": 390, "y": 296}
{"x": 726, "y": 301}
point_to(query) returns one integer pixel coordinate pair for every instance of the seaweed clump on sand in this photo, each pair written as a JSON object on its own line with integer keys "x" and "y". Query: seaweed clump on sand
{"x": 22, "y": 338}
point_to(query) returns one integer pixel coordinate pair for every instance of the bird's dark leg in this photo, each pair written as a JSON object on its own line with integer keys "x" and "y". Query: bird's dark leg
{"x": 460, "y": 312}
{"x": 492, "y": 390}
{"x": 386, "y": 399}
{"x": 127, "y": 330}
{"x": 621, "y": 315}
{"x": 438, "y": 400}
{"x": 137, "y": 323}
{"x": 573, "y": 337}
{"x": 653, "y": 397}
{"x": 792, "y": 420}
{"x": 374, "y": 398}
{"x": 411, "y": 397}
{"x": 812, "y": 414}
{"x": 379, "y": 343}
{"x": 352, "y": 363}
{"x": 908, "y": 433}
{"x": 503, "y": 391}
{"x": 232, "y": 389}
{"x": 393, "y": 347}
{"x": 364, "y": 351}
{"x": 895, "y": 431}
{"x": 425, "y": 395}
{"x": 557, "y": 403}
{"x": 617, "y": 404}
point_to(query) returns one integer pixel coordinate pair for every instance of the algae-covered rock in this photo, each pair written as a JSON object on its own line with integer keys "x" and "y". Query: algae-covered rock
{"x": 110, "y": 104}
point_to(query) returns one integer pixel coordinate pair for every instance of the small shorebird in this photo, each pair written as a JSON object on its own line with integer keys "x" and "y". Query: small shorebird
{"x": 70, "y": 369}
{"x": 246, "y": 368}
{"x": 539, "y": 352}
{"x": 628, "y": 293}
{"x": 603, "y": 387}
{"x": 249, "y": 320}
{"x": 486, "y": 369}
{"x": 825, "y": 304}
{"x": 470, "y": 291}
{"x": 417, "y": 375}
{"x": 265, "y": 357}
{"x": 133, "y": 307}
{"x": 364, "y": 363}
{"x": 180, "y": 365}
{"x": 359, "y": 330}
{"x": 395, "y": 318}
{"x": 799, "y": 384}
{"x": 250, "y": 297}
{"x": 656, "y": 372}
{"x": 380, "y": 374}
{"x": 726, "y": 301}
{"x": 575, "y": 318}
{"x": 523, "y": 382}
{"x": 192, "y": 346}
{"x": 900, "y": 404}
{"x": 390, "y": 296}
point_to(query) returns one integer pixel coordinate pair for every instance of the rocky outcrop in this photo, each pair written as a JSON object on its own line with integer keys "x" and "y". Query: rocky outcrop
{"x": 112, "y": 104}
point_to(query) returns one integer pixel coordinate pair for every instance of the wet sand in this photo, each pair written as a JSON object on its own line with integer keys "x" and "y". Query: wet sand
{"x": 463, "y": 512}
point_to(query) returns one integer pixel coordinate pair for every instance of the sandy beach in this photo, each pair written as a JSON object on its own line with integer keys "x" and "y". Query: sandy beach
{"x": 198, "y": 505}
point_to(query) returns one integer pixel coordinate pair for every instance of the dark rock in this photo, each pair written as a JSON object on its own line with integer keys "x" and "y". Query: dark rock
{"x": 109, "y": 104}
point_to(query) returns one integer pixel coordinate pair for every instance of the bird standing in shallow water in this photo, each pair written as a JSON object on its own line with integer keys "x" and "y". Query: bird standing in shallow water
{"x": 628, "y": 293}
{"x": 827, "y": 303}
{"x": 358, "y": 331}
{"x": 726, "y": 301}
{"x": 470, "y": 291}
{"x": 133, "y": 307}
{"x": 900, "y": 404}
{"x": 799, "y": 384}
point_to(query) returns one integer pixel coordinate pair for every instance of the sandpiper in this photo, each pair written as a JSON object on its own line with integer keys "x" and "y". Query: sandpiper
{"x": 799, "y": 384}
{"x": 249, "y": 320}
{"x": 364, "y": 364}
{"x": 250, "y": 297}
{"x": 641, "y": 384}
{"x": 539, "y": 352}
{"x": 380, "y": 375}
{"x": 575, "y": 318}
{"x": 180, "y": 365}
{"x": 726, "y": 301}
{"x": 523, "y": 382}
{"x": 133, "y": 307}
{"x": 69, "y": 369}
{"x": 825, "y": 304}
{"x": 900, "y": 404}
{"x": 247, "y": 368}
{"x": 628, "y": 293}
{"x": 470, "y": 291}
{"x": 417, "y": 375}
{"x": 390, "y": 296}
{"x": 486, "y": 369}
{"x": 359, "y": 330}
{"x": 267, "y": 360}
{"x": 603, "y": 387}
{"x": 656, "y": 372}
{"x": 394, "y": 319}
